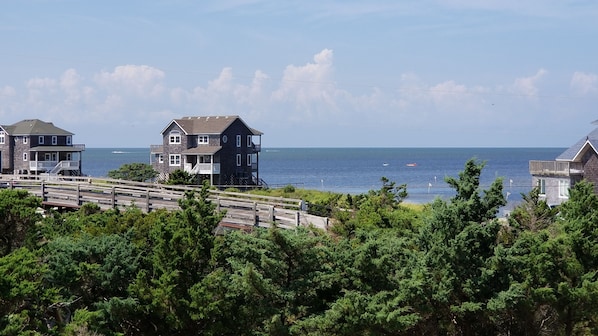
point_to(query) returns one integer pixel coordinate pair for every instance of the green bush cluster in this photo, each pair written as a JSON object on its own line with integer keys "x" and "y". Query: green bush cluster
{"x": 451, "y": 268}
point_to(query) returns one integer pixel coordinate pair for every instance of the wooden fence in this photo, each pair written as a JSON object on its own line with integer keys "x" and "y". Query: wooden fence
{"x": 242, "y": 210}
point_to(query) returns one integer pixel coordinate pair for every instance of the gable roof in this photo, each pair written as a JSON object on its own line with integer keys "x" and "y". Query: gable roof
{"x": 572, "y": 153}
{"x": 34, "y": 127}
{"x": 207, "y": 124}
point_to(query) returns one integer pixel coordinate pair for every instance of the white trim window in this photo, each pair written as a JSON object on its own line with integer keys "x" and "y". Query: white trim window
{"x": 69, "y": 156}
{"x": 563, "y": 188}
{"x": 174, "y": 160}
{"x": 69, "y": 140}
{"x": 238, "y": 140}
{"x": 249, "y": 159}
{"x": 238, "y": 160}
{"x": 40, "y": 139}
{"x": 25, "y": 139}
{"x": 54, "y": 140}
{"x": 174, "y": 137}
{"x": 203, "y": 140}
{"x": 2, "y": 137}
{"x": 542, "y": 186}
{"x": 24, "y": 156}
{"x": 249, "y": 142}
{"x": 160, "y": 158}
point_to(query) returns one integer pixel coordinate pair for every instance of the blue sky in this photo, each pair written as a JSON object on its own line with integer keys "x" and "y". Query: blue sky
{"x": 376, "y": 73}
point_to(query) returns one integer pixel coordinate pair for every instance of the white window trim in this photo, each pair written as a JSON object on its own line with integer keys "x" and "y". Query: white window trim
{"x": 174, "y": 160}
{"x": 238, "y": 140}
{"x": 238, "y": 160}
{"x": 25, "y": 156}
{"x": 54, "y": 140}
{"x": 249, "y": 141}
{"x": 174, "y": 137}
{"x": 203, "y": 139}
{"x": 40, "y": 139}
{"x": 2, "y": 138}
{"x": 542, "y": 186}
{"x": 160, "y": 158}
{"x": 25, "y": 139}
{"x": 564, "y": 189}
{"x": 69, "y": 140}
{"x": 249, "y": 159}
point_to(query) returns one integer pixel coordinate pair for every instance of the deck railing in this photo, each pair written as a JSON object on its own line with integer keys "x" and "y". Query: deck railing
{"x": 555, "y": 168}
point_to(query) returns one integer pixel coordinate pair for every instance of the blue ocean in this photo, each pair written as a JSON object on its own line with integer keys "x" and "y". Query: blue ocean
{"x": 358, "y": 170}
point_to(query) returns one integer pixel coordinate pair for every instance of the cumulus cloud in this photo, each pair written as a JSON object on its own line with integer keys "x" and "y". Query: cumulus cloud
{"x": 584, "y": 83}
{"x": 308, "y": 84}
{"x": 142, "y": 80}
{"x": 527, "y": 86}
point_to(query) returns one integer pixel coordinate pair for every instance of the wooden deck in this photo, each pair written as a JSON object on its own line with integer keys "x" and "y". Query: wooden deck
{"x": 242, "y": 211}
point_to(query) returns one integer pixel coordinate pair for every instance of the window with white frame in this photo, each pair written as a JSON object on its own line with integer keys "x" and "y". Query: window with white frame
{"x": 2, "y": 138}
{"x": 542, "y": 186}
{"x": 69, "y": 140}
{"x": 238, "y": 160}
{"x": 563, "y": 188}
{"x": 249, "y": 141}
{"x": 24, "y": 156}
{"x": 202, "y": 139}
{"x": 174, "y": 137}
{"x": 47, "y": 157}
{"x": 238, "y": 140}
{"x": 25, "y": 139}
{"x": 175, "y": 160}
{"x": 160, "y": 158}
{"x": 249, "y": 159}
{"x": 69, "y": 156}
{"x": 54, "y": 140}
{"x": 40, "y": 139}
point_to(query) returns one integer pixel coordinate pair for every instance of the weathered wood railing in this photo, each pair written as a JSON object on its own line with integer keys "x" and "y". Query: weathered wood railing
{"x": 241, "y": 209}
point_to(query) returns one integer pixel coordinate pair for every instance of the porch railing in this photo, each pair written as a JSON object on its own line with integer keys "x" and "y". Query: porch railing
{"x": 203, "y": 168}
{"x": 555, "y": 168}
{"x": 51, "y": 165}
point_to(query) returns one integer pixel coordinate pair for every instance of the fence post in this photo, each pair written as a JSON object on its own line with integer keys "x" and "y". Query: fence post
{"x": 147, "y": 200}
{"x": 43, "y": 187}
{"x": 113, "y": 197}
{"x": 297, "y": 218}
{"x": 256, "y": 217}
{"x": 271, "y": 217}
{"x": 78, "y": 195}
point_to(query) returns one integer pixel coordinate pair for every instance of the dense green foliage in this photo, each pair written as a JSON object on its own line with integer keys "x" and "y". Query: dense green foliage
{"x": 452, "y": 268}
{"x": 138, "y": 172}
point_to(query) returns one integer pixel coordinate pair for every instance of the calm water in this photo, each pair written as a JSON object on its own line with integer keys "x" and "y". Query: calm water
{"x": 358, "y": 170}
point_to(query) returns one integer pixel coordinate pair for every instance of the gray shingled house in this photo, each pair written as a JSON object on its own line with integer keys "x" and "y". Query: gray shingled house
{"x": 221, "y": 149}
{"x": 554, "y": 178}
{"x": 33, "y": 146}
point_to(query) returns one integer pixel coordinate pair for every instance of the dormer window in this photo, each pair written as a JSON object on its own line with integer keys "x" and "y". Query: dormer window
{"x": 202, "y": 140}
{"x": 175, "y": 137}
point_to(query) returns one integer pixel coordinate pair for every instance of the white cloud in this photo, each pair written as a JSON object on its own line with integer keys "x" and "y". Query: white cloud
{"x": 142, "y": 80}
{"x": 584, "y": 83}
{"x": 527, "y": 86}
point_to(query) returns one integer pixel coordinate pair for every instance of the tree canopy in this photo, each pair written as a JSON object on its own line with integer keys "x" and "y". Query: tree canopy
{"x": 138, "y": 172}
{"x": 451, "y": 268}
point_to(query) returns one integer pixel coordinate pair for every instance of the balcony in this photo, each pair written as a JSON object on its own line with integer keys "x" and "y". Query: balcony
{"x": 46, "y": 166}
{"x": 555, "y": 168}
{"x": 203, "y": 168}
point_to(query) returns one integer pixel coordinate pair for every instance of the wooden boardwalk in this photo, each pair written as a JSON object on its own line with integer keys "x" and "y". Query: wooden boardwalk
{"x": 242, "y": 211}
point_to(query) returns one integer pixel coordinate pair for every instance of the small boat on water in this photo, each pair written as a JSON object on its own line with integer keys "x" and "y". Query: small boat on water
{"x": 413, "y": 164}
{"x": 385, "y": 164}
